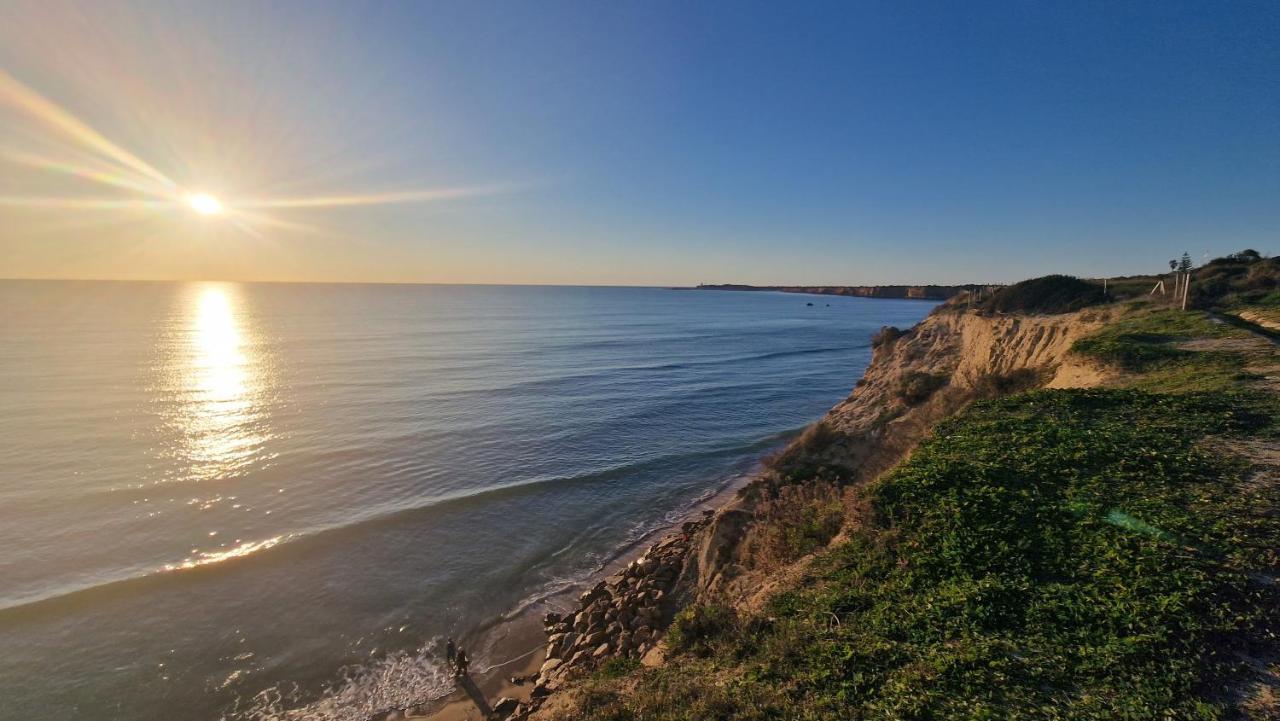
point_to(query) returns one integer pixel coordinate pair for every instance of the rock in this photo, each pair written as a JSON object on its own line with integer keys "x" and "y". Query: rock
{"x": 551, "y": 619}
{"x": 580, "y": 657}
{"x": 655, "y": 656}
{"x": 551, "y": 665}
{"x": 601, "y": 651}
{"x": 567, "y": 642}
{"x": 592, "y": 593}
{"x": 592, "y": 639}
{"x": 614, "y": 629}
{"x": 540, "y": 691}
{"x": 638, "y": 623}
{"x": 505, "y": 706}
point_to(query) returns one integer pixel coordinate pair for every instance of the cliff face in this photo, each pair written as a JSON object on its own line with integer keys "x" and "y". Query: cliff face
{"x": 915, "y": 378}
{"x": 917, "y": 292}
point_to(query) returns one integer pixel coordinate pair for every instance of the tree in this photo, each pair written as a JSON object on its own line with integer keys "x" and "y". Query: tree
{"x": 1173, "y": 265}
{"x": 1184, "y": 265}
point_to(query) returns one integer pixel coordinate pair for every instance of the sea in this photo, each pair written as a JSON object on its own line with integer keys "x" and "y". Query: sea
{"x": 271, "y": 501}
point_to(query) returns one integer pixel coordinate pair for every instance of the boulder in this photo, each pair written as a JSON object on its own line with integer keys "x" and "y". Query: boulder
{"x": 601, "y": 651}
{"x": 551, "y": 618}
{"x": 567, "y": 642}
{"x": 550, "y": 665}
{"x": 505, "y": 706}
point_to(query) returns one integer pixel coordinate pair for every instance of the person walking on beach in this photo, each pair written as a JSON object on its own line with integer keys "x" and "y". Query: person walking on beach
{"x": 450, "y": 652}
{"x": 461, "y": 663}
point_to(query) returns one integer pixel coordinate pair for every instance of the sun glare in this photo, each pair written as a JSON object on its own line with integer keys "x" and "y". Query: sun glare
{"x": 204, "y": 204}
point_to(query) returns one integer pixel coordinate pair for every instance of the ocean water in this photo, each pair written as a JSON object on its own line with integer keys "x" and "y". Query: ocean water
{"x": 227, "y": 500}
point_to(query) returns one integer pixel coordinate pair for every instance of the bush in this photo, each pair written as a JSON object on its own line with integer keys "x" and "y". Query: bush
{"x": 886, "y": 335}
{"x": 617, "y": 667}
{"x": 994, "y": 385}
{"x": 916, "y": 387}
{"x": 1048, "y": 295}
{"x": 695, "y": 628}
{"x": 793, "y": 520}
{"x": 801, "y": 452}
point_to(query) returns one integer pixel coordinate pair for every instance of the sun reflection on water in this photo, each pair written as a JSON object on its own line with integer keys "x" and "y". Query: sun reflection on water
{"x": 221, "y": 381}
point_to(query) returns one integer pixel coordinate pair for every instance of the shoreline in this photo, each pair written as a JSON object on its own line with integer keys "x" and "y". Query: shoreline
{"x": 521, "y": 638}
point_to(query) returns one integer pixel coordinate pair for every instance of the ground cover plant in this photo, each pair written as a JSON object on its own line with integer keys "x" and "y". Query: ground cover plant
{"x": 1058, "y": 554}
{"x": 1146, "y": 341}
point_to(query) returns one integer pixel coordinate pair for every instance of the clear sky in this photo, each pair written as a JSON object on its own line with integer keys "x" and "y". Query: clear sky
{"x": 635, "y": 142}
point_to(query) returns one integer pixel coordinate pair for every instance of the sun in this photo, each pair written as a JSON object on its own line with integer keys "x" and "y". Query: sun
{"x": 204, "y": 204}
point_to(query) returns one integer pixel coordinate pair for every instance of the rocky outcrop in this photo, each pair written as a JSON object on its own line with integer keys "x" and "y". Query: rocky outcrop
{"x": 622, "y": 616}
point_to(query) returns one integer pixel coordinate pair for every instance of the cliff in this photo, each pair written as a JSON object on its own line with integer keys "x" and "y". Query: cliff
{"x": 950, "y": 541}
{"x": 916, "y": 292}
{"x": 916, "y": 378}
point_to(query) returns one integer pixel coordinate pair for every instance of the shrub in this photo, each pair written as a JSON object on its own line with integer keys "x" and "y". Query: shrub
{"x": 617, "y": 667}
{"x": 695, "y": 628}
{"x": 994, "y": 385}
{"x": 795, "y": 520}
{"x": 886, "y": 335}
{"x": 1049, "y": 294}
{"x": 812, "y": 443}
{"x": 916, "y": 387}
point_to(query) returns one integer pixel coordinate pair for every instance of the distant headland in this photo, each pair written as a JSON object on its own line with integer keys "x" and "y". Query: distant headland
{"x": 917, "y": 292}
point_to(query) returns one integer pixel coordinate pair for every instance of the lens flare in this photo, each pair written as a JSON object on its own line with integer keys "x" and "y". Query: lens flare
{"x": 91, "y": 156}
{"x": 204, "y": 204}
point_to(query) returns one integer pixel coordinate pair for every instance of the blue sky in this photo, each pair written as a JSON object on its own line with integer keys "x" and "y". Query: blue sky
{"x": 660, "y": 143}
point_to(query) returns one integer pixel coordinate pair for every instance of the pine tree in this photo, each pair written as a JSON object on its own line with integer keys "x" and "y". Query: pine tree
{"x": 1185, "y": 264}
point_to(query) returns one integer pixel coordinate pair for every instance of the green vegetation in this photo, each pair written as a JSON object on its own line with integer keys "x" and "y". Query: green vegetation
{"x": 1240, "y": 280}
{"x": 1046, "y": 295}
{"x": 617, "y": 667}
{"x": 1145, "y": 341}
{"x": 797, "y": 518}
{"x": 1054, "y": 554}
{"x": 1084, "y": 554}
{"x": 695, "y": 627}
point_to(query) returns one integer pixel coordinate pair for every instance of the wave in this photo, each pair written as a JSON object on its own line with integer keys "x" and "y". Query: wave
{"x": 396, "y": 681}
{"x": 133, "y": 582}
{"x": 406, "y": 680}
{"x": 606, "y": 371}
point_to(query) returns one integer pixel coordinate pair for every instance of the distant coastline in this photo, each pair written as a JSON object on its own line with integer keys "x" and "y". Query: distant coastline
{"x": 912, "y": 292}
